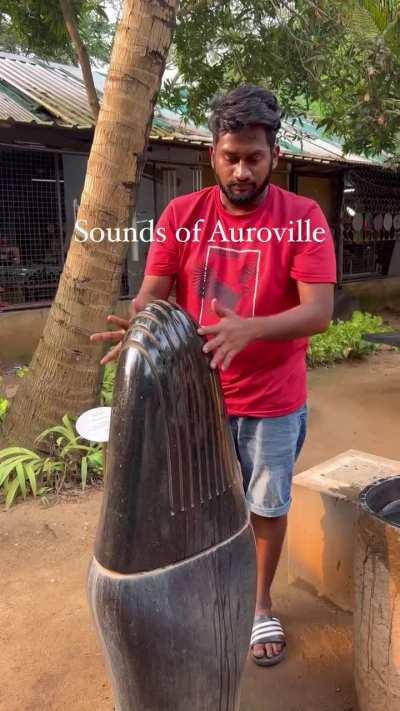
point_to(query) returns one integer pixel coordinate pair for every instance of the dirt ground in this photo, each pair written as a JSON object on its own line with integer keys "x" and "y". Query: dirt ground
{"x": 50, "y": 656}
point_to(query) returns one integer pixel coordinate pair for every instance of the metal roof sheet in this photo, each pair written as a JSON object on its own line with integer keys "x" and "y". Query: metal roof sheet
{"x": 58, "y": 90}
{"x": 9, "y": 108}
{"x": 299, "y": 143}
{"x": 62, "y": 95}
{"x": 55, "y": 94}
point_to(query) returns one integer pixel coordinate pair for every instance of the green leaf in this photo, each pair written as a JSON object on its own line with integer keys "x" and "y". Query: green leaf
{"x": 4, "y": 406}
{"x": 68, "y": 426}
{"x": 10, "y": 451}
{"x": 21, "y": 478}
{"x": 38, "y": 26}
{"x": 52, "y": 431}
{"x": 108, "y": 384}
{"x": 11, "y": 492}
{"x": 7, "y": 466}
{"x": 72, "y": 447}
{"x": 31, "y": 476}
{"x": 96, "y": 459}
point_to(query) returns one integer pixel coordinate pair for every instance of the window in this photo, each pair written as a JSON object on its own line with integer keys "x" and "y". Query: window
{"x": 197, "y": 178}
{"x": 169, "y": 184}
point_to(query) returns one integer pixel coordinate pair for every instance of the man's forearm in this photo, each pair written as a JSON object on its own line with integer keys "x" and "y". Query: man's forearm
{"x": 300, "y": 322}
{"x": 152, "y": 288}
{"x": 142, "y": 299}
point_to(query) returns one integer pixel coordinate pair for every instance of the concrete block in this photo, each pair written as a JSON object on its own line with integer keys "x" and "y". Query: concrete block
{"x": 322, "y": 519}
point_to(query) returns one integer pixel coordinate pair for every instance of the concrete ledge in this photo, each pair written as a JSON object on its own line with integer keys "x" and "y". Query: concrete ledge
{"x": 322, "y": 519}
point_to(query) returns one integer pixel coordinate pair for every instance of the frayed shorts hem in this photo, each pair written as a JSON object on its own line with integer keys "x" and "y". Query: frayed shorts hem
{"x": 269, "y": 513}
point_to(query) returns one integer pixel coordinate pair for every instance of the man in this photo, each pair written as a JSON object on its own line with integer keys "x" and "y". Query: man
{"x": 255, "y": 266}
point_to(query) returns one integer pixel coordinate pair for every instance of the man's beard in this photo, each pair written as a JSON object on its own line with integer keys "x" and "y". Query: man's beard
{"x": 248, "y": 197}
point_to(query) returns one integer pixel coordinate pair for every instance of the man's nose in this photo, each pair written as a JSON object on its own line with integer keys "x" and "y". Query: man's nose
{"x": 242, "y": 171}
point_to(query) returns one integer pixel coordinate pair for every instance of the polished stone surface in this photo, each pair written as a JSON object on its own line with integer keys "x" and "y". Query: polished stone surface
{"x": 173, "y": 486}
{"x": 390, "y": 339}
{"x": 172, "y": 583}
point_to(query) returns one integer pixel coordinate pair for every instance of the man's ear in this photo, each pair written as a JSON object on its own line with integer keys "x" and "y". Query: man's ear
{"x": 275, "y": 156}
{"x": 211, "y": 154}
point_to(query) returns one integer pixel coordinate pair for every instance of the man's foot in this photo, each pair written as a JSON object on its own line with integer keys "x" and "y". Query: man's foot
{"x": 268, "y": 644}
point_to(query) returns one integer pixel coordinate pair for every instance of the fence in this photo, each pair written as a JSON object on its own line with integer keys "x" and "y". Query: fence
{"x": 33, "y": 239}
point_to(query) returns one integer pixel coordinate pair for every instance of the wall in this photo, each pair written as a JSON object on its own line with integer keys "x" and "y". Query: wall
{"x": 322, "y": 190}
{"x": 20, "y": 333}
{"x": 280, "y": 175}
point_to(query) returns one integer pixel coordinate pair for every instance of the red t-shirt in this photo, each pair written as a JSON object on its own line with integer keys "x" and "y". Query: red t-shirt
{"x": 252, "y": 272}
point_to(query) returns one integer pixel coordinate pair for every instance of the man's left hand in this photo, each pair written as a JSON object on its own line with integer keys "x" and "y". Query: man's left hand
{"x": 231, "y": 334}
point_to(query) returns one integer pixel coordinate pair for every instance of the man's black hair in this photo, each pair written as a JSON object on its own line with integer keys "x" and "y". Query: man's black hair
{"x": 247, "y": 105}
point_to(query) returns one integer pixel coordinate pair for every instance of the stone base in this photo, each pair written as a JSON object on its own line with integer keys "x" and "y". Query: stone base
{"x": 177, "y": 638}
{"x": 322, "y": 518}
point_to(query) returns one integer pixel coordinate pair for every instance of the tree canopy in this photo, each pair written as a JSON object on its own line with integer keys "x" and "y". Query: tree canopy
{"x": 336, "y": 61}
{"x": 38, "y": 26}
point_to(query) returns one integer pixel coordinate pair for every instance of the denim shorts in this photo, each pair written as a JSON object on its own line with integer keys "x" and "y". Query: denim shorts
{"x": 267, "y": 449}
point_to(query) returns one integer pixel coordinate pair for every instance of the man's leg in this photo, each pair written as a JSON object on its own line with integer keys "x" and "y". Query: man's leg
{"x": 267, "y": 449}
{"x": 269, "y": 534}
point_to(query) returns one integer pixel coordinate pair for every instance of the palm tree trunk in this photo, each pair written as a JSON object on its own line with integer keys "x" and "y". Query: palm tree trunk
{"x": 82, "y": 55}
{"x": 65, "y": 376}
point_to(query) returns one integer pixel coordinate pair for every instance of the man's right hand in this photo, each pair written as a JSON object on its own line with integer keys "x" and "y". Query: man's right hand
{"x": 153, "y": 287}
{"x": 113, "y": 336}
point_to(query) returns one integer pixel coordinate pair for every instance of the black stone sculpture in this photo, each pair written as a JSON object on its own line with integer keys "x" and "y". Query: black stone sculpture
{"x": 390, "y": 339}
{"x": 172, "y": 582}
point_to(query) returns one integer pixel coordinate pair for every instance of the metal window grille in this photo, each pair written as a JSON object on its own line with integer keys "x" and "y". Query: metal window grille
{"x": 32, "y": 216}
{"x": 169, "y": 184}
{"x": 197, "y": 179}
{"x": 370, "y": 222}
{"x": 33, "y": 225}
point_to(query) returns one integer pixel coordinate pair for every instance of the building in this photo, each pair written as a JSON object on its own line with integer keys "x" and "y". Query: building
{"x": 45, "y": 137}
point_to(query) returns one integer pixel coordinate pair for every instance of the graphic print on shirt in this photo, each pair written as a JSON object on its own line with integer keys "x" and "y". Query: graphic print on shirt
{"x": 231, "y": 276}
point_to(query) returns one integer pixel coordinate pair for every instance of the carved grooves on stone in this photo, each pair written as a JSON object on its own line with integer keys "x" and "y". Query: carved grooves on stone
{"x": 199, "y": 465}
{"x": 172, "y": 488}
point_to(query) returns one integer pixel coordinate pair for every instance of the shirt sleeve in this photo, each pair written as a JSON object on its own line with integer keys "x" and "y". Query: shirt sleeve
{"x": 163, "y": 255}
{"x": 314, "y": 261}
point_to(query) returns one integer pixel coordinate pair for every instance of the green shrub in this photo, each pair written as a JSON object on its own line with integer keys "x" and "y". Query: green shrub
{"x": 20, "y": 471}
{"x": 108, "y": 384}
{"x": 4, "y": 405}
{"x": 4, "y": 402}
{"x": 344, "y": 339}
{"x": 69, "y": 461}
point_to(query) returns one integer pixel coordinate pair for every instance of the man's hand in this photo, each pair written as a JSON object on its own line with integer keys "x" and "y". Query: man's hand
{"x": 114, "y": 336}
{"x": 153, "y": 287}
{"x": 231, "y": 334}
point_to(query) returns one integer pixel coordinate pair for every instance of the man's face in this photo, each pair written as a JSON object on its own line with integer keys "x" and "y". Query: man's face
{"x": 243, "y": 163}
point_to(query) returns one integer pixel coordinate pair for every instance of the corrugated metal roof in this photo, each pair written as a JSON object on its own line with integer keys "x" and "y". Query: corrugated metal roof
{"x": 10, "y": 108}
{"x": 299, "y": 142}
{"x": 63, "y": 96}
{"x": 168, "y": 125}
{"x": 55, "y": 94}
{"x": 58, "y": 90}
